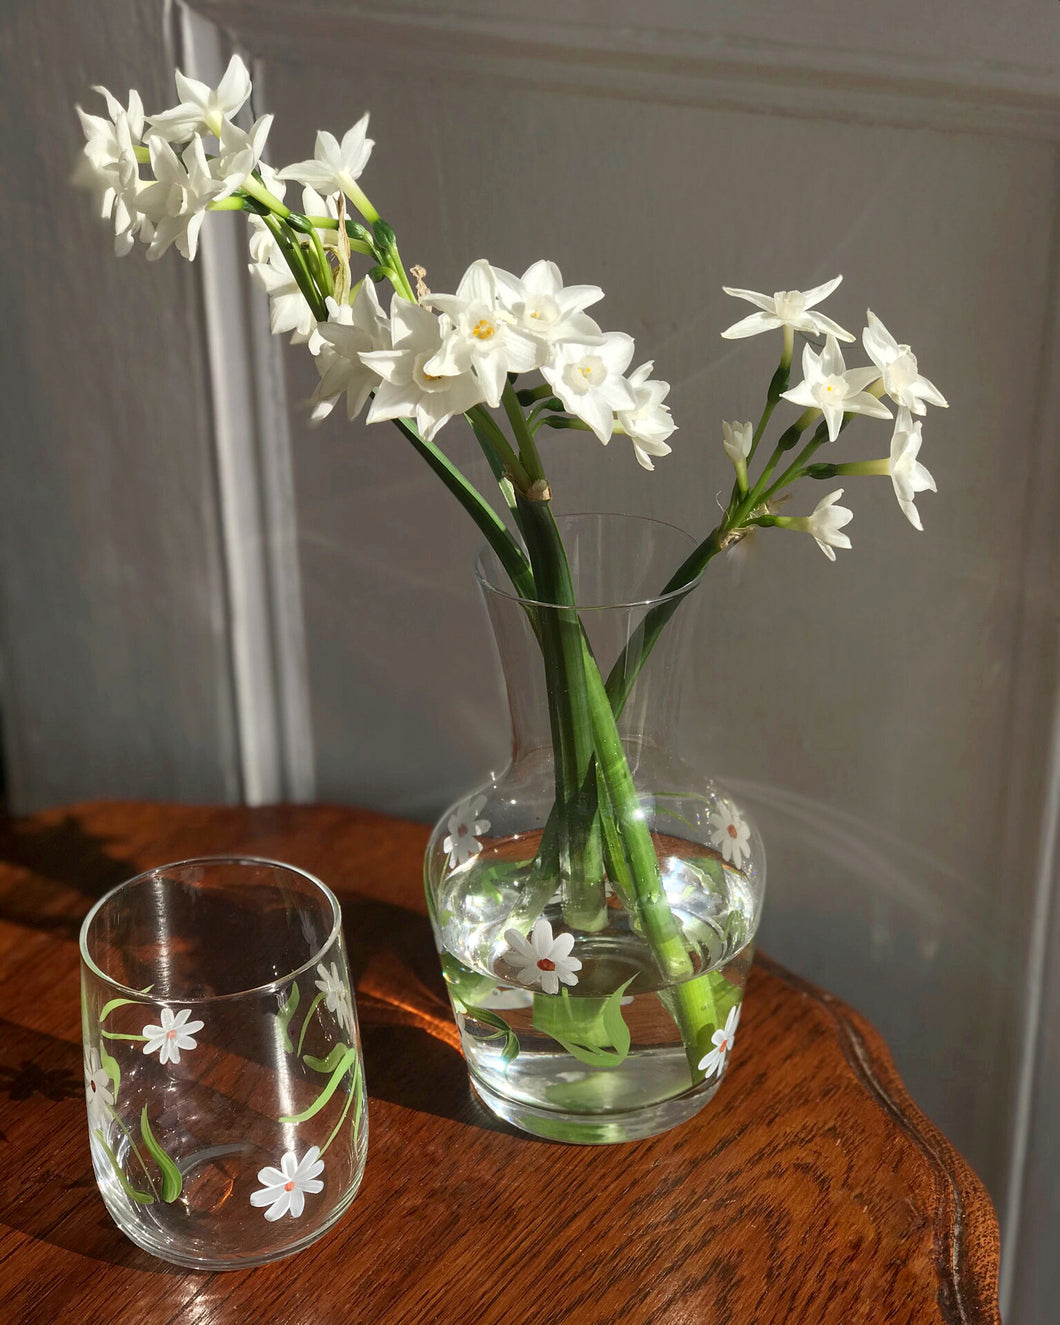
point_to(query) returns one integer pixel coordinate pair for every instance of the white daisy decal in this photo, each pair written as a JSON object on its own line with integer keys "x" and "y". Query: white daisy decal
{"x": 336, "y": 995}
{"x": 714, "y": 1061}
{"x": 730, "y": 835}
{"x": 465, "y": 828}
{"x": 284, "y": 1189}
{"x": 543, "y": 960}
{"x": 98, "y": 1090}
{"x": 175, "y": 1033}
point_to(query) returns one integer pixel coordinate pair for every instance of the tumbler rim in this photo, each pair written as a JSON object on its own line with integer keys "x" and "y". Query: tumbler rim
{"x": 141, "y": 996}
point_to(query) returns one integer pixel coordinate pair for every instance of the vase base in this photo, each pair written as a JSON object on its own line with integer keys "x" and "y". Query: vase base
{"x": 595, "y": 1129}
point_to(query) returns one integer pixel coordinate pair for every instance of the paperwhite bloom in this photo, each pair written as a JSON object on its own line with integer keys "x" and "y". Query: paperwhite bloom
{"x": 465, "y": 828}
{"x": 826, "y": 522}
{"x": 544, "y": 960}
{"x": 240, "y": 153}
{"x": 730, "y": 834}
{"x": 787, "y": 308}
{"x": 288, "y": 308}
{"x": 542, "y": 305}
{"x": 202, "y": 108}
{"x": 335, "y": 167}
{"x": 479, "y": 333}
{"x": 109, "y": 169}
{"x": 588, "y": 379}
{"x": 176, "y": 202}
{"x": 339, "y": 343}
{"x": 408, "y": 389}
{"x": 736, "y": 439}
{"x": 723, "y": 1039}
{"x": 907, "y": 473}
{"x": 99, "y": 1093}
{"x": 284, "y": 1189}
{"x": 336, "y": 995}
{"x": 834, "y": 389}
{"x": 174, "y": 1034}
{"x": 897, "y": 364}
{"x": 648, "y": 423}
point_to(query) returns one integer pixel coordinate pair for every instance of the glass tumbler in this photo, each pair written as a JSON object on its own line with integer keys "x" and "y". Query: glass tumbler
{"x": 223, "y": 1071}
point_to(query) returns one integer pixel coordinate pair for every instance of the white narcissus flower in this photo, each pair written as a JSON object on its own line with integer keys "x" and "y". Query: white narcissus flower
{"x": 648, "y": 423}
{"x": 826, "y": 523}
{"x": 335, "y": 167}
{"x": 897, "y": 364}
{"x": 336, "y": 995}
{"x": 109, "y": 169}
{"x": 203, "y": 109}
{"x": 544, "y": 959}
{"x": 786, "y": 308}
{"x": 587, "y": 377}
{"x": 714, "y": 1061}
{"x": 288, "y": 308}
{"x": 284, "y": 1189}
{"x": 542, "y": 305}
{"x": 339, "y": 344}
{"x": 479, "y": 333}
{"x": 834, "y": 389}
{"x": 736, "y": 438}
{"x": 408, "y": 390}
{"x": 175, "y": 1033}
{"x": 908, "y": 475}
{"x": 240, "y": 153}
{"x": 99, "y": 1093}
{"x": 730, "y": 834}
{"x": 465, "y": 828}
{"x": 176, "y": 202}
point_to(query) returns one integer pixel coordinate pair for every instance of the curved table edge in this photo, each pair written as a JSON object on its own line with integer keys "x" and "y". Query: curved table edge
{"x": 967, "y": 1230}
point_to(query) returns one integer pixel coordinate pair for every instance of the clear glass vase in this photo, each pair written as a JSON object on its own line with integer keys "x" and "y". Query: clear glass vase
{"x": 597, "y": 991}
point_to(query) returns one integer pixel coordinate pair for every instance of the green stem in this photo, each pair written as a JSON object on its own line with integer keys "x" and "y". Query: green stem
{"x": 323, "y": 266}
{"x": 295, "y": 259}
{"x": 257, "y": 189}
{"x": 353, "y": 232}
{"x": 485, "y": 425}
{"x": 489, "y": 522}
{"x": 566, "y": 659}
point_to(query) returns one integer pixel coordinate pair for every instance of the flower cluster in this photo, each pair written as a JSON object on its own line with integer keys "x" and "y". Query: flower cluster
{"x": 211, "y": 160}
{"x": 426, "y": 358}
{"x": 834, "y": 393}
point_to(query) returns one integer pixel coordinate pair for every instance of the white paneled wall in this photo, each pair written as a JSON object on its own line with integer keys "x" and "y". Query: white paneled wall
{"x": 256, "y": 609}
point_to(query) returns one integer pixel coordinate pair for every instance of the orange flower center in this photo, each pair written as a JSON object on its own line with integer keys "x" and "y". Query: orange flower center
{"x": 545, "y": 964}
{"x": 171, "y": 1035}
{"x": 732, "y": 830}
{"x": 288, "y": 1186}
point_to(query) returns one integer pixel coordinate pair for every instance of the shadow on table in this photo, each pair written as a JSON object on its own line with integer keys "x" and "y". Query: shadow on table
{"x": 70, "y": 868}
{"x": 49, "y": 1190}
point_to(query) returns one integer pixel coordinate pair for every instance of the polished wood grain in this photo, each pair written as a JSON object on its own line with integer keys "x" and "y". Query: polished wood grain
{"x": 810, "y": 1190}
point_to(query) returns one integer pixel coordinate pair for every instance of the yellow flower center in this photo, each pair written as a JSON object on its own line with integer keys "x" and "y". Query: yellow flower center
{"x": 483, "y": 329}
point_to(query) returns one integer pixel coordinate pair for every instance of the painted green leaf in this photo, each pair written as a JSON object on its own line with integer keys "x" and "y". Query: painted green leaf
{"x": 108, "y": 1008}
{"x": 110, "y": 1066}
{"x": 172, "y": 1182}
{"x": 340, "y": 1071}
{"x": 465, "y": 986}
{"x": 326, "y": 1064}
{"x": 144, "y": 1198}
{"x": 308, "y": 1018}
{"x": 500, "y": 1027}
{"x": 283, "y": 1017}
{"x": 592, "y": 1030}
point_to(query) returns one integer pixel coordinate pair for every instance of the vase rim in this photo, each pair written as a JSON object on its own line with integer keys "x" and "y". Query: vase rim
{"x": 487, "y": 583}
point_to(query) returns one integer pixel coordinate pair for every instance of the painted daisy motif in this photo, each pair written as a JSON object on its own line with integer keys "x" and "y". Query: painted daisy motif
{"x": 464, "y": 828}
{"x": 543, "y": 959}
{"x": 730, "y": 835}
{"x": 336, "y": 995}
{"x": 174, "y": 1034}
{"x": 714, "y": 1061}
{"x": 99, "y": 1091}
{"x": 284, "y": 1189}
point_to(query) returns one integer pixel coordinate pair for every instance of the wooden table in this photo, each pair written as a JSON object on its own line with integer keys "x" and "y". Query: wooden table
{"x": 811, "y": 1191}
